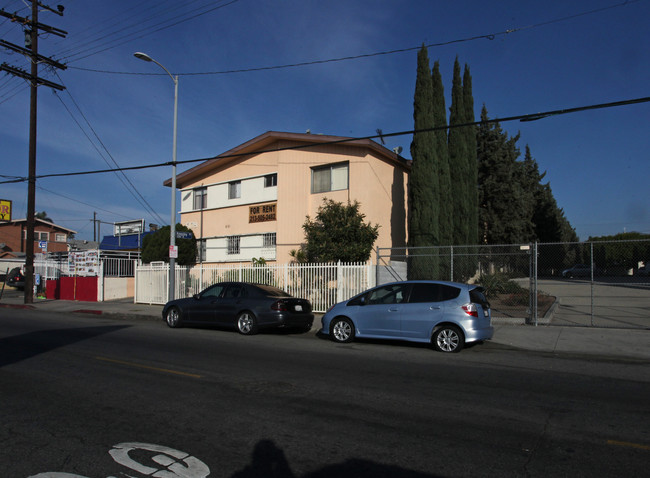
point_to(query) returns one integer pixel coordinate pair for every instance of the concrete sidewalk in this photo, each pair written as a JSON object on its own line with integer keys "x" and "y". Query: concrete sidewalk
{"x": 591, "y": 341}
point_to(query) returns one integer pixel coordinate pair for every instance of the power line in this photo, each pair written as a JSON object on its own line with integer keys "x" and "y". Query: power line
{"x": 488, "y": 36}
{"x": 522, "y": 118}
{"x": 132, "y": 189}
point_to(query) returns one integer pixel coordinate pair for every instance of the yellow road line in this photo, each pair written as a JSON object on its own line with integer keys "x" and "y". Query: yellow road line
{"x": 628, "y": 444}
{"x": 137, "y": 365}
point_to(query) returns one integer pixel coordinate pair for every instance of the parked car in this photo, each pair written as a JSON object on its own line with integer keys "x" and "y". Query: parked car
{"x": 446, "y": 314}
{"x": 245, "y": 306}
{"x": 578, "y": 270}
{"x": 643, "y": 271}
{"x": 16, "y": 278}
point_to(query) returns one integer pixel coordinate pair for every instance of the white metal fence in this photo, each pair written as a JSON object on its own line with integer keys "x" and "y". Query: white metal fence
{"x": 322, "y": 284}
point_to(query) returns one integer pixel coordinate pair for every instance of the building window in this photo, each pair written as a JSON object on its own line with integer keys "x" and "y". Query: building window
{"x": 234, "y": 190}
{"x": 233, "y": 244}
{"x": 268, "y": 240}
{"x": 202, "y": 247}
{"x": 41, "y": 236}
{"x": 333, "y": 177}
{"x": 270, "y": 180}
{"x": 200, "y": 198}
{"x": 60, "y": 238}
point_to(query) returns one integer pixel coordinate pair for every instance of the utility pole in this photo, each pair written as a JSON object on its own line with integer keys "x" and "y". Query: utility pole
{"x": 33, "y": 27}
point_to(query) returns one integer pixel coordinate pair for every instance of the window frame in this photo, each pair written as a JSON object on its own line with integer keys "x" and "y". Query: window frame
{"x": 200, "y": 195}
{"x": 271, "y": 180}
{"x": 317, "y": 187}
{"x": 234, "y": 189}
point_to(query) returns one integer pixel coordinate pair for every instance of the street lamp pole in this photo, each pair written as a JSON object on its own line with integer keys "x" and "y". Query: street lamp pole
{"x": 172, "y": 234}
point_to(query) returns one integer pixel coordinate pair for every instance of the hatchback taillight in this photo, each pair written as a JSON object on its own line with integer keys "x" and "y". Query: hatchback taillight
{"x": 279, "y": 305}
{"x": 470, "y": 309}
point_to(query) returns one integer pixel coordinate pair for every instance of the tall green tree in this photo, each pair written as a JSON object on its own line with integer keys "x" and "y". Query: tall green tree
{"x": 423, "y": 185}
{"x": 457, "y": 144}
{"x": 472, "y": 164}
{"x": 155, "y": 247}
{"x": 445, "y": 211}
{"x": 501, "y": 215}
{"x": 338, "y": 233}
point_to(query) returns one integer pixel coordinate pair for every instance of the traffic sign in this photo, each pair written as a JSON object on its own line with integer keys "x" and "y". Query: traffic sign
{"x": 173, "y": 252}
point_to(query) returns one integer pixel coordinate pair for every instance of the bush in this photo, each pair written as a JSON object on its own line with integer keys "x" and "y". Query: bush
{"x": 499, "y": 283}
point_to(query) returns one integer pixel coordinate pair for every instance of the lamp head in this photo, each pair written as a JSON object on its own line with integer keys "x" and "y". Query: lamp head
{"x": 142, "y": 56}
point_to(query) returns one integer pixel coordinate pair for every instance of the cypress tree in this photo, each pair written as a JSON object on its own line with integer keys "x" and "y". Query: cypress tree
{"x": 472, "y": 166}
{"x": 445, "y": 217}
{"x": 423, "y": 183}
{"x": 457, "y": 145}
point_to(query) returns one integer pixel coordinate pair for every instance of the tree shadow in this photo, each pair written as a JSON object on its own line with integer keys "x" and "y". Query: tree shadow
{"x": 269, "y": 461}
{"x": 21, "y": 347}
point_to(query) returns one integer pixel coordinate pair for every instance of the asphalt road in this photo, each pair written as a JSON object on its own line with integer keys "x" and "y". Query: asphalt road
{"x": 87, "y": 396}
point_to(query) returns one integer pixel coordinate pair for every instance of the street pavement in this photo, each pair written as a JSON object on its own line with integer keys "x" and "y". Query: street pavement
{"x": 627, "y": 343}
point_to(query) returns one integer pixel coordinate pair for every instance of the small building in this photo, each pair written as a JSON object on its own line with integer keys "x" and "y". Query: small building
{"x": 252, "y": 201}
{"x": 13, "y": 236}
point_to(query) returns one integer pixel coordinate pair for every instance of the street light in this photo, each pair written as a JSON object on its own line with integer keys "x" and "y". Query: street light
{"x": 172, "y": 234}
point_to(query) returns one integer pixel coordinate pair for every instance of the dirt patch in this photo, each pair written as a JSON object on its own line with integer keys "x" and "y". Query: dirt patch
{"x": 516, "y": 305}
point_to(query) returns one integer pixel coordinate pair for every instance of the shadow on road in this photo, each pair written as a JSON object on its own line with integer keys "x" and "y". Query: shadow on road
{"x": 21, "y": 347}
{"x": 269, "y": 461}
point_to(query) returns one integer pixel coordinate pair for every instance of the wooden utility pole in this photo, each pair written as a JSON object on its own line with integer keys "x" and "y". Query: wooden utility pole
{"x": 35, "y": 59}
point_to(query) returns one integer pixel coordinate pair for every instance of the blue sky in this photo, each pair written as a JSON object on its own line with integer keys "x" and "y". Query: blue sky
{"x": 558, "y": 55}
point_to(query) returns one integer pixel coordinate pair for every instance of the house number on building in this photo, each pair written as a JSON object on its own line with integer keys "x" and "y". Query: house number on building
{"x": 263, "y": 213}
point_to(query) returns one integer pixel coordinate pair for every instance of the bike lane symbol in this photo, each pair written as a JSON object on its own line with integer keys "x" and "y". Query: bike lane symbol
{"x": 167, "y": 463}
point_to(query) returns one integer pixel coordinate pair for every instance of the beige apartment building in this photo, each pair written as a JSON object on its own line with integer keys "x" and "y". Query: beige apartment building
{"x": 251, "y": 202}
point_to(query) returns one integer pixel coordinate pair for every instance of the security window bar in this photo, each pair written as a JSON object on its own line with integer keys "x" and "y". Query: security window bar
{"x": 333, "y": 177}
{"x": 268, "y": 240}
{"x": 234, "y": 190}
{"x": 234, "y": 245}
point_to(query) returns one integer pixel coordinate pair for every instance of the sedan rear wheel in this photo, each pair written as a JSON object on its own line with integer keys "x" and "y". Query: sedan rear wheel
{"x": 246, "y": 323}
{"x": 342, "y": 330}
{"x": 173, "y": 317}
{"x": 448, "y": 339}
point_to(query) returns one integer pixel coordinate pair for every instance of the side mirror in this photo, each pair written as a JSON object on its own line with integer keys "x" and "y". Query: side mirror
{"x": 197, "y": 296}
{"x": 362, "y": 300}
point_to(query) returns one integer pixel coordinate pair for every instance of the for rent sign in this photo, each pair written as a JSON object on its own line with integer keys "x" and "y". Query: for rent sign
{"x": 262, "y": 213}
{"x": 5, "y": 210}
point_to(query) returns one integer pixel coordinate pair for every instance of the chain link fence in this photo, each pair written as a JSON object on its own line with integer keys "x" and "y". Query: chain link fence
{"x": 598, "y": 284}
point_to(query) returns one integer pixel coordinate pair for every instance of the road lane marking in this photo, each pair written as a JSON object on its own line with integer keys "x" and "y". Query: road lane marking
{"x": 147, "y": 367}
{"x": 628, "y": 444}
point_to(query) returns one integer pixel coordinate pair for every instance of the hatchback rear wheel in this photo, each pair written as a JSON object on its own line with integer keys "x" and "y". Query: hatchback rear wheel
{"x": 448, "y": 339}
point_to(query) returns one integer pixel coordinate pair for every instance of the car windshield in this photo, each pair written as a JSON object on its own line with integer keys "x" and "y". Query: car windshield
{"x": 271, "y": 291}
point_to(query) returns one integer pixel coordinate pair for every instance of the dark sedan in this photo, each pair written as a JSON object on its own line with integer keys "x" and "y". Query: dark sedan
{"x": 247, "y": 307}
{"x": 15, "y": 278}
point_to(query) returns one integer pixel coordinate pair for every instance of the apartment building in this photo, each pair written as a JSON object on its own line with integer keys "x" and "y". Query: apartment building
{"x": 251, "y": 201}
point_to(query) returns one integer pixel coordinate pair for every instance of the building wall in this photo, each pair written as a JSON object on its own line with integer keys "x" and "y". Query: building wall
{"x": 376, "y": 182}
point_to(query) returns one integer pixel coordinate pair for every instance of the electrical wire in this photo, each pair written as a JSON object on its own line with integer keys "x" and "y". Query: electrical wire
{"x": 525, "y": 117}
{"x": 123, "y": 178}
{"x": 488, "y": 36}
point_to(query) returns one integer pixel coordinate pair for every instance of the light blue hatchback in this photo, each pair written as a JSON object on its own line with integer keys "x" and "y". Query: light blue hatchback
{"x": 446, "y": 314}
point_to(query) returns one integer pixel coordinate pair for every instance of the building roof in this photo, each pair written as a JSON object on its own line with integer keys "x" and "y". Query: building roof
{"x": 262, "y": 143}
{"x": 41, "y": 221}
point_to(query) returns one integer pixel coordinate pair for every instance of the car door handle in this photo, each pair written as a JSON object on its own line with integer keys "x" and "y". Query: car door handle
{"x": 393, "y": 309}
{"x": 435, "y": 307}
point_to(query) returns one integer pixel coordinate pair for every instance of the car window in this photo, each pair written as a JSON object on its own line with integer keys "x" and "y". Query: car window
{"x": 270, "y": 291}
{"x": 477, "y": 296}
{"x": 235, "y": 291}
{"x": 425, "y": 292}
{"x": 214, "y": 291}
{"x": 389, "y": 294}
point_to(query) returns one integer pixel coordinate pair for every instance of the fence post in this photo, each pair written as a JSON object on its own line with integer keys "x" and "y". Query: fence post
{"x": 451, "y": 254}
